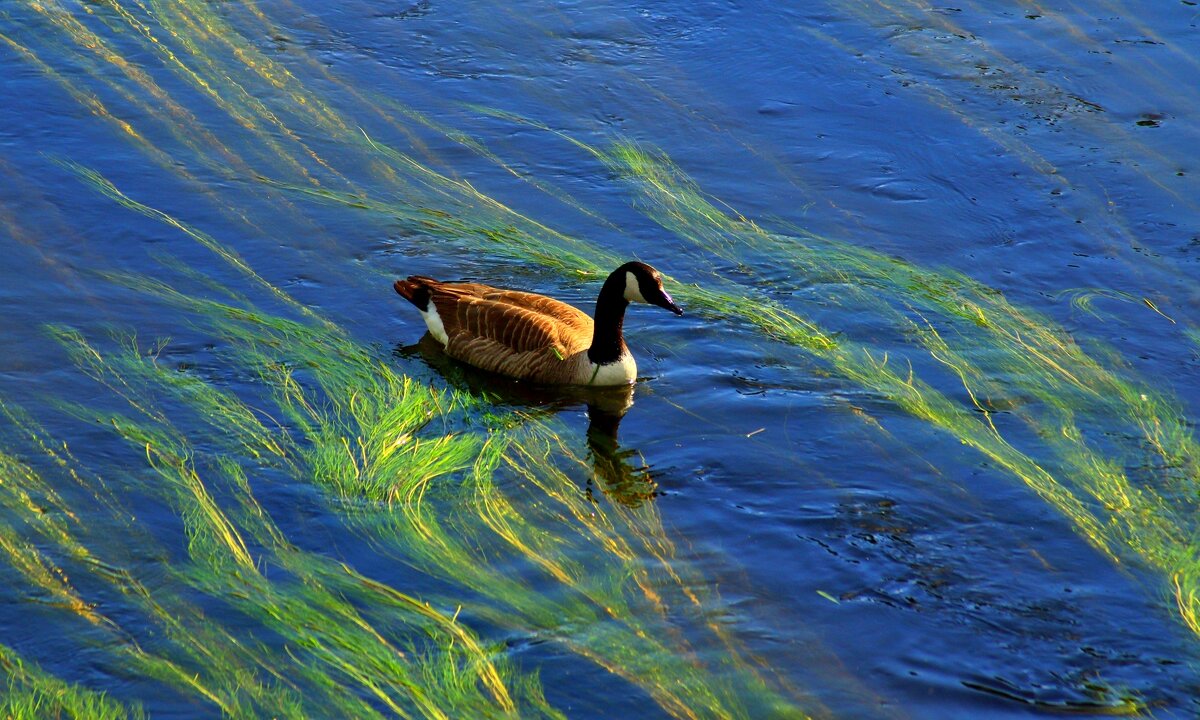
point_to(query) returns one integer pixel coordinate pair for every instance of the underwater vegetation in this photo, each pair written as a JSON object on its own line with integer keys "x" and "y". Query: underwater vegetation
{"x": 229, "y": 602}
{"x": 432, "y": 479}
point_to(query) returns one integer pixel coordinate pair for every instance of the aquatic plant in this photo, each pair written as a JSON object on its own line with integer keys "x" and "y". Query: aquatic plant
{"x": 1135, "y": 499}
{"x": 32, "y": 694}
{"x": 993, "y": 350}
{"x": 419, "y": 473}
{"x": 334, "y": 622}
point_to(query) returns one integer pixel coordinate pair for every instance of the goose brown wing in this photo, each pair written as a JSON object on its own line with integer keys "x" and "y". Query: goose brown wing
{"x": 482, "y": 320}
{"x": 573, "y": 325}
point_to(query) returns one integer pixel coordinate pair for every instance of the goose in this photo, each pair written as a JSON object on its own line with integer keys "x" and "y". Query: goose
{"x": 533, "y": 337}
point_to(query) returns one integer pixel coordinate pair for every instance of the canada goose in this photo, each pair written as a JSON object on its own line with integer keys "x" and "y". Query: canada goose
{"x": 534, "y": 337}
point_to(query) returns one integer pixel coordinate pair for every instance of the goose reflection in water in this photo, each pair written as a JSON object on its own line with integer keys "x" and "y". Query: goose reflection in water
{"x": 620, "y": 474}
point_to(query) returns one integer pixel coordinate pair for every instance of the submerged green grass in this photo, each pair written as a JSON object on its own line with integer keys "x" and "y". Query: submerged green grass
{"x": 32, "y": 694}
{"x": 350, "y": 644}
{"x": 489, "y": 505}
{"x": 1133, "y": 498}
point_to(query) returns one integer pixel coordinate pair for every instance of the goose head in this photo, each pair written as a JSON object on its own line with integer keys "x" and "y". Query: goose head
{"x": 644, "y": 284}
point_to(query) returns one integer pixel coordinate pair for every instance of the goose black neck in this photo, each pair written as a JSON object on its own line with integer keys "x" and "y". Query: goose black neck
{"x": 608, "y": 339}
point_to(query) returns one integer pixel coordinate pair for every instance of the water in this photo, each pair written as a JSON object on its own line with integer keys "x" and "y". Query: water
{"x": 793, "y": 528}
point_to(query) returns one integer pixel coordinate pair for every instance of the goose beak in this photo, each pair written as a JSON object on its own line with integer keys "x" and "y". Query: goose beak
{"x": 666, "y": 302}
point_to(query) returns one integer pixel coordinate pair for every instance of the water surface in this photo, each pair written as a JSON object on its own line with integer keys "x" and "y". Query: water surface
{"x": 921, "y": 447}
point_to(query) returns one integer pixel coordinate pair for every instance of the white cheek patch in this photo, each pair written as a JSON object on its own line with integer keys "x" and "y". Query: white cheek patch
{"x": 633, "y": 293}
{"x": 434, "y": 322}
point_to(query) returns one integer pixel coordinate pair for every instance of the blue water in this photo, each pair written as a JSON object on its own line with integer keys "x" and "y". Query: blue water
{"x": 869, "y": 559}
